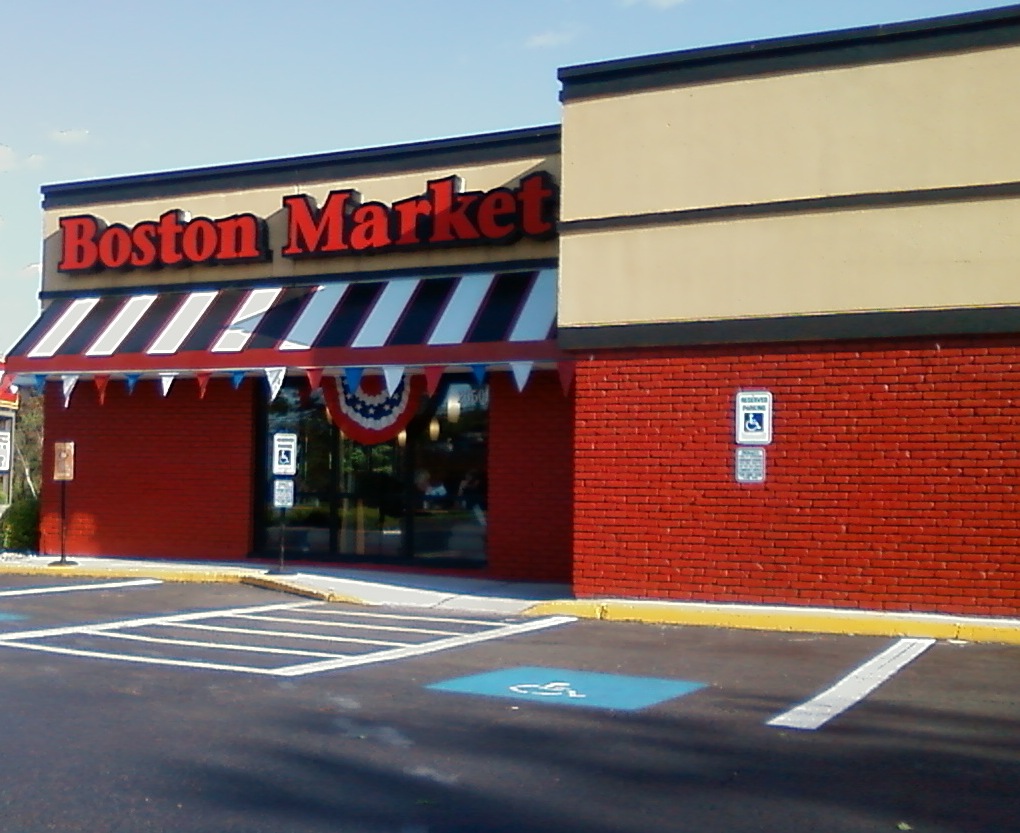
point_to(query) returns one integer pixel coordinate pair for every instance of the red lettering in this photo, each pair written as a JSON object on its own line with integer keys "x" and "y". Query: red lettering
{"x": 371, "y": 227}
{"x": 450, "y": 220}
{"x": 408, "y": 213}
{"x": 115, "y": 247}
{"x": 170, "y": 230}
{"x": 497, "y": 215}
{"x": 199, "y": 242}
{"x": 143, "y": 240}
{"x": 537, "y": 194}
{"x": 314, "y": 232}
{"x": 78, "y": 243}
{"x": 240, "y": 238}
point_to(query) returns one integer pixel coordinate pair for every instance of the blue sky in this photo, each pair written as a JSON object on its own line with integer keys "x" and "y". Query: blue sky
{"x": 106, "y": 88}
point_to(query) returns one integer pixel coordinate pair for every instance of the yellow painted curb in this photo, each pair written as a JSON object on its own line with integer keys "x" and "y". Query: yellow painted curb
{"x": 846, "y": 622}
{"x": 181, "y": 576}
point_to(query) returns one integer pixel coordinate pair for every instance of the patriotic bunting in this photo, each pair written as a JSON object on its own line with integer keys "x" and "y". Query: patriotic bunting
{"x": 521, "y": 372}
{"x": 101, "y": 382}
{"x": 275, "y": 377}
{"x": 165, "y": 381}
{"x": 131, "y": 379}
{"x": 69, "y": 381}
{"x": 370, "y": 414}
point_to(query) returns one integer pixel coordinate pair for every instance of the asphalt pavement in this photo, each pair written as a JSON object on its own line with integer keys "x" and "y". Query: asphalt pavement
{"x": 486, "y": 595}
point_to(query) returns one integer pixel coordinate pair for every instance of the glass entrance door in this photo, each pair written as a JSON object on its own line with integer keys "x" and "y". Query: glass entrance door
{"x": 418, "y": 498}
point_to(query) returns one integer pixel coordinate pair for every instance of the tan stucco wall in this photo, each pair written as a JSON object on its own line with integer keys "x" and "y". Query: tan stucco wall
{"x": 267, "y": 203}
{"x": 944, "y": 121}
{"x": 946, "y": 256}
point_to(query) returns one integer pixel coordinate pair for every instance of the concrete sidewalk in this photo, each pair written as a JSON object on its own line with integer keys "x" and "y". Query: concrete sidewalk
{"x": 480, "y": 595}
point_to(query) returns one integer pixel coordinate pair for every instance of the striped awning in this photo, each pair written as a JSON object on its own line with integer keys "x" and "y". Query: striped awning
{"x": 469, "y": 319}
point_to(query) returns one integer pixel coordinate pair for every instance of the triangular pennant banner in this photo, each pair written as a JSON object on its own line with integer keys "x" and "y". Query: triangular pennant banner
{"x": 314, "y": 375}
{"x": 203, "y": 383}
{"x": 521, "y": 371}
{"x": 393, "y": 375}
{"x": 275, "y": 377}
{"x": 479, "y": 373}
{"x": 131, "y": 379}
{"x": 433, "y": 376}
{"x": 165, "y": 380}
{"x": 353, "y": 375}
{"x": 236, "y": 378}
{"x": 101, "y": 382}
{"x": 40, "y": 382}
{"x": 566, "y": 371}
{"x": 69, "y": 382}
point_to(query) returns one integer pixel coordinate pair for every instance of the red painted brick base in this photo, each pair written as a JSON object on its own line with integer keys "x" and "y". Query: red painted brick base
{"x": 529, "y": 479}
{"x": 161, "y": 477}
{"x": 893, "y": 479}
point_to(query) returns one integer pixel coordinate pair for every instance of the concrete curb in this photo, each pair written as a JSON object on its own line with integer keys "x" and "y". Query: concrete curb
{"x": 184, "y": 576}
{"x": 787, "y": 619}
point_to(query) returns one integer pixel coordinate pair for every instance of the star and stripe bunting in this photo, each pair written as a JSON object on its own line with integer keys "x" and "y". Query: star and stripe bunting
{"x": 472, "y": 319}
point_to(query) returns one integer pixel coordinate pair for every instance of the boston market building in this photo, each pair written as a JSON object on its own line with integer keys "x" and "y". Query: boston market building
{"x": 744, "y": 328}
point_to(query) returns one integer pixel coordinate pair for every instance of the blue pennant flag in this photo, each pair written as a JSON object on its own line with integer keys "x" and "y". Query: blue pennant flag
{"x": 479, "y": 372}
{"x": 236, "y": 378}
{"x": 40, "y": 382}
{"x": 131, "y": 379}
{"x": 353, "y": 376}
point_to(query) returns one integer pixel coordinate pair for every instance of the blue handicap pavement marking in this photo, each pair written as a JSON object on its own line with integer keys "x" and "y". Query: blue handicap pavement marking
{"x": 566, "y": 687}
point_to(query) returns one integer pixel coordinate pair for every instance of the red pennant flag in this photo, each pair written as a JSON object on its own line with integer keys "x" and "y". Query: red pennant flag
{"x": 203, "y": 383}
{"x": 101, "y": 383}
{"x": 566, "y": 370}
{"x": 314, "y": 375}
{"x": 433, "y": 375}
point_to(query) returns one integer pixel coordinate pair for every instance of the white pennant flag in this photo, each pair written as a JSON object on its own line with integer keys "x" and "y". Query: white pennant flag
{"x": 165, "y": 380}
{"x": 275, "y": 377}
{"x": 69, "y": 383}
{"x": 393, "y": 375}
{"x": 521, "y": 371}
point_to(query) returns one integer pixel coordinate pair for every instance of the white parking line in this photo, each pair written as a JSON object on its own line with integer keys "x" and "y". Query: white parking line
{"x": 854, "y": 687}
{"x": 109, "y": 585}
{"x": 327, "y": 660}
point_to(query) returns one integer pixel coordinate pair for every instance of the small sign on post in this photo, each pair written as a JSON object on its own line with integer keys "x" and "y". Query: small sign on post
{"x": 63, "y": 473}
{"x": 283, "y": 493}
{"x": 63, "y": 462}
{"x": 5, "y": 452}
{"x": 284, "y": 455}
{"x": 285, "y": 446}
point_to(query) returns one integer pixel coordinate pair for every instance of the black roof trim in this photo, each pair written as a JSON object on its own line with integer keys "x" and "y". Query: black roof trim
{"x": 452, "y": 152}
{"x": 848, "y": 47}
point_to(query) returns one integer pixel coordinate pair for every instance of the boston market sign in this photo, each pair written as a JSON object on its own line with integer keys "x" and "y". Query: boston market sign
{"x": 441, "y": 216}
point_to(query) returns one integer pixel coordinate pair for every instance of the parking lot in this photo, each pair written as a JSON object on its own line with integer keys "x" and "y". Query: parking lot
{"x": 152, "y": 706}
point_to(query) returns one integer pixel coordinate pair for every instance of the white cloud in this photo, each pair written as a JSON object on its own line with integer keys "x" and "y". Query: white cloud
{"x": 32, "y": 270}
{"x": 8, "y": 158}
{"x": 550, "y": 38}
{"x": 70, "y": 137}
{"x": 35, "y": 160}
{"x": 655, "y": 4}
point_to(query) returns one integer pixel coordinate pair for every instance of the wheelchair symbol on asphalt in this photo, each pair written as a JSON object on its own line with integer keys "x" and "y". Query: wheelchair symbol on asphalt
{"x": 547, "y": 690}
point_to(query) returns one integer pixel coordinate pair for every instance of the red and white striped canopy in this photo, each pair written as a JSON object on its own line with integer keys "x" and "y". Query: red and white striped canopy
{"x": 474, "y": 318}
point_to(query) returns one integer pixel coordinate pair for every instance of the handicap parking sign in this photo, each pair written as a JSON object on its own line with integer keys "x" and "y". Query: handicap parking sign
{"x": 569, "y": 687}
{"x": 754, "y": 417}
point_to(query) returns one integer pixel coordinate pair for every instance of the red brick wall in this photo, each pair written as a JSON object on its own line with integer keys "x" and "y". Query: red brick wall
{"x": 893, "y": 481}
{"x": 164, "y": 477}
{"x": 529, "y": 535}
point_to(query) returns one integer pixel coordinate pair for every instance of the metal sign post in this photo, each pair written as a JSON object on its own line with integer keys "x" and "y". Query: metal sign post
{"x": 63, "y": 473}
{"x": 283, "y": 499}
{"x": 285, "y": 447}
